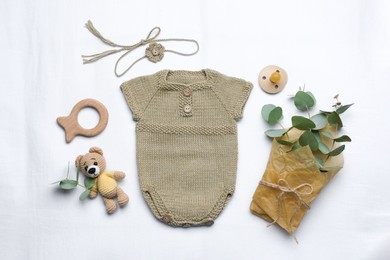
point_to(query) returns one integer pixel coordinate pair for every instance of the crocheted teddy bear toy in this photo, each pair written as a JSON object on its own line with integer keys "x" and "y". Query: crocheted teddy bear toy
{"x": 93, "y": 165}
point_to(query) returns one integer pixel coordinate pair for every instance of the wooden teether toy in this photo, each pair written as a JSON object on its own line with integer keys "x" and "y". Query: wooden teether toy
{"x": 272, "y": 79}
{"x": 71, "y": 125}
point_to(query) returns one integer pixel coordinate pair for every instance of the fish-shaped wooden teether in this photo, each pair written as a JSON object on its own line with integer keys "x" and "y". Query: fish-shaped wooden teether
{"x": 71, "y": 125}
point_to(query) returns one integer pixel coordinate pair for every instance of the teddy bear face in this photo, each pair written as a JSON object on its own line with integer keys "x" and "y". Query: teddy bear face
{"x": 91, "y": 164}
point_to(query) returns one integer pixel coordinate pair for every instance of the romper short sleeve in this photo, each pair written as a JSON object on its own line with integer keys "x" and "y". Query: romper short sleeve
{"x": 138, "y": 92}
{"x": 233, "y": 93}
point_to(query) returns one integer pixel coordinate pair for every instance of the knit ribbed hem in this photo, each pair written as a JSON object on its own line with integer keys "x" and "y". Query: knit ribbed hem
{"x": 186, "y": 130}
{"x": 164, "y": 215}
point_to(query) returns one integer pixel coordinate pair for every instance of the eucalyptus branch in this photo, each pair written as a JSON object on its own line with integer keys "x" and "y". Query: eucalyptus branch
{"x": 311, "y": 126}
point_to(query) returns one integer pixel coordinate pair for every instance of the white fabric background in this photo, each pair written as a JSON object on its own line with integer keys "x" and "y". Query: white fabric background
{"x": 329, "y": 46}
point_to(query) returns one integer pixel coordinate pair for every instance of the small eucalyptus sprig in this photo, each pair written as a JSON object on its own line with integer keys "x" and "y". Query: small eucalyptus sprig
{"x": 69, "y": 184}
{"x": 313, "y": 127}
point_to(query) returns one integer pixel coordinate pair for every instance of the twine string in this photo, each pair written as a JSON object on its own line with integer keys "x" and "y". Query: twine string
{"x": 298, "y": 191}
{"x": 151, "y": 37}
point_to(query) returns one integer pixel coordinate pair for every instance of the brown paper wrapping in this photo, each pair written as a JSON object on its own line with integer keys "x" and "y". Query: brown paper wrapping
{"x": 296, "y": 181}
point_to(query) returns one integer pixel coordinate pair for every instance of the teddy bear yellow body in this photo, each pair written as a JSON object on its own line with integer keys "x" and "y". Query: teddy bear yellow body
{"x": 106, "y": 185}
{"x": 93, "y": 165}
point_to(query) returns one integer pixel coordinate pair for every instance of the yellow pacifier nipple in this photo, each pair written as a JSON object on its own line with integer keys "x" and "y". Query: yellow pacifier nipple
{"x": 272, "y": 79}
{"x": 275, "y": 77}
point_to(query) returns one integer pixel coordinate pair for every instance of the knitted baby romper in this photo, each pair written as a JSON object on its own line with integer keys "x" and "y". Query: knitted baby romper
{"x": 186, "y": 141}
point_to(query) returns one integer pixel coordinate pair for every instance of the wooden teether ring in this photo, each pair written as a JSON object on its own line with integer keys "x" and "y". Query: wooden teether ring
{"x": 273, "y": 79}
{"x": 71, "y": 125}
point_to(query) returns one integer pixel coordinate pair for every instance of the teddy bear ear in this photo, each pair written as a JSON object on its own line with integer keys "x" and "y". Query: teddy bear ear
{"x": 96, "y": 150}
{"x": 78, "y": 161}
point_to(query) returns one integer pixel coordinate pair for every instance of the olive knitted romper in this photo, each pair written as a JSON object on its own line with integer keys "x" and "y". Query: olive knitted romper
{"x": 186, "y": 141}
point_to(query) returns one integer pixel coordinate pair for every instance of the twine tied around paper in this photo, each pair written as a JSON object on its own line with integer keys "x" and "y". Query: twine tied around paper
{"x": 298, "y": 191}
{"x": 155, "y": 52}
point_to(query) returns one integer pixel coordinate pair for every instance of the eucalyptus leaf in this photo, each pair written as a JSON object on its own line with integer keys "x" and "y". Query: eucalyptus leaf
{"x": 330, "y": 168}
{"x": 337, "y": 151}
{"x": 334, "y": 119}
{"x": 319, "y": 161}
{"x": 316, "y": 135}
{"x": 302, "y": 123}
{"x": 312, "y": 96}
{"x": 295, "y": 147}
{"x": 89, "y": 182}
{"x": 320, "y": 120}
{"x": 344, "y": 108}
{"x": 303, "y": 101}
{"x": 327, "y": 134}
{"x": 67, "y": 184}
{"x": 275, "y": 132}
{"x": 285, "y": 142}
{"x": 323, "y": 148}
{"x": 84, "y": 195}
{"x": 265, "y": 110}
{"x": 275, "y": 115}
{"x": 325, "y": 112}
{"x": 344, "y": 138}
{"x": 308, "y": 138}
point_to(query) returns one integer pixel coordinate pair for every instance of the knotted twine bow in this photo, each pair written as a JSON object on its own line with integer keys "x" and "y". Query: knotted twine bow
{"x": 151, "y": 38}
{"x": 284, "y": 187}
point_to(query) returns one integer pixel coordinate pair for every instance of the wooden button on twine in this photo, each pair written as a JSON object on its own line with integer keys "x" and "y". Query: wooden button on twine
{"x": 273, "y": 79}
{"x": 71, "y": 125}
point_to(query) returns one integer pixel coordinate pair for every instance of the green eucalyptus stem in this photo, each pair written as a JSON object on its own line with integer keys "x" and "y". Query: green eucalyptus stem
{"x": 336, "y": 134}
{"x": 307, "y": 110}
{"x": 326, "y": 159}
{"x": 67, "y": 172}
{"x": 280, "y": 124}
{"x": 81, "y": 185}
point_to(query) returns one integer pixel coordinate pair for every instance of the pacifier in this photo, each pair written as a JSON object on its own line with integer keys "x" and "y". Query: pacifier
{"x": 272, "y": 79}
